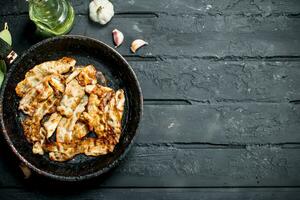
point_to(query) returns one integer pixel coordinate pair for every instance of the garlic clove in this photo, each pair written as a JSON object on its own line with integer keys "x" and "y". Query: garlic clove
{"x": 118, "y": 37}
{"x": 26, "y": 171}
{"x": 136, "y": 44}
{"x": 93, "y": 11}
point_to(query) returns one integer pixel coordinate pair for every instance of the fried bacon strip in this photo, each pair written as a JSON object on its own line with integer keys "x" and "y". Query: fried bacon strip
{"x": 51, "y": 124}
{"x": 58, "y": 98}
{"x": 98, "y": 99}
{"x": 36, "y": 75}
{"x": 50, "y": 84}
{"x": 64, "y": 133}
{"x": 71, "y": 98}
{"x": 32, "y": 125}
{"x": 87, "y": 76}
{"x": 75, "y": 90}
{"x": 105, "y": 110}
{"x": 33, "y": 131}
{"x": 114, "y": 112}
{"x": 80, "y": 130}
{"x": 88, "y": 146}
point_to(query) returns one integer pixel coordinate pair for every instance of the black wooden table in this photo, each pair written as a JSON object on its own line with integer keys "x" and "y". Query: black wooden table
{"x": 221, "y": 89}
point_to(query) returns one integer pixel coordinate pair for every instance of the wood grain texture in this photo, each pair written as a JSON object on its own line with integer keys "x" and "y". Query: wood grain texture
{"x": 221, "y": 124}
{"x": 189, "y": 166}
{"x": 225, "y": 7}
{"x": 186, "y": 36}
{"x": 156, "y": 193}
{"x": 219, "y": 81}
{"x": 185, "y": 167}
{"x": 185, "y": 77}
{"x": 235, "y": 140}
{"x": 233, "y": 65}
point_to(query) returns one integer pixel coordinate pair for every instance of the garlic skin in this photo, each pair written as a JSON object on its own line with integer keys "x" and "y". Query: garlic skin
{"x": 101, "y": 11}
{"x": 136, "y": 44}
{"x": 26, "y": 171}
{"x": 118, "y": 37}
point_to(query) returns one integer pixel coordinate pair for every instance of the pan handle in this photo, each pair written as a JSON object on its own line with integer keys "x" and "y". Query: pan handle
{"x": 6, "y": 52}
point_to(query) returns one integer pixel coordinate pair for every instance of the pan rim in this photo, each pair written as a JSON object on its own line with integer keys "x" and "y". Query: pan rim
{"x": 62, "y": 177}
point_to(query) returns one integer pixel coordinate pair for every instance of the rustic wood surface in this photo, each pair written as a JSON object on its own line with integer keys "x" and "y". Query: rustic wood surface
{"x": 222, "y": 101}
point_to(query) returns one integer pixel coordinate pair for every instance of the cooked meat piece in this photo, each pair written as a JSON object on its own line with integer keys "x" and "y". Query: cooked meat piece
{"x": 57, "y": 82}
{"x": 34, "y": 76}
{"x": 106, "y": 125}
{"x": 84, "y": 75}
{"x": 89, "y": 88}
{"x": 30, "y": 101}
{"x": 51, "y": 124}
{"x": 61, "y": 152}
{"x": 39, "y": 93}
{"x": 87, "y": 76}
{"x": 44, "y": 90}
{"x": 98, "y": 99}
{"x": 64, "y": 132}
{"x": 57, "y": 89}
{"x": 73, "y": 75}
{"x": 89, "y": 146}
{"x": 93, "y": 116}
{"x": 80, "y": 130}
{"x": 96, "y": 147}
{"x": 31, "y": 130}
{"x": 71, "y": 98}
{"x": 37, "y": 147}
{"x": 32, "y": 125}
{"x": 115, "y": 110}
{"x": 105, "y": 110}
{"x": 97, "y": 89}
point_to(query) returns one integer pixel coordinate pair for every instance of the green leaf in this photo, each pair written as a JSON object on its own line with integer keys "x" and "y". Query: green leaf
{"x": 2, "y": 66}
{"x": 1, "y": 78}
{"x": 5, "y": 35}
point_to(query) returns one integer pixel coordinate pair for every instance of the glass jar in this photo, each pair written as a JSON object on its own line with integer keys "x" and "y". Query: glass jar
{"x": 52, "y": 17}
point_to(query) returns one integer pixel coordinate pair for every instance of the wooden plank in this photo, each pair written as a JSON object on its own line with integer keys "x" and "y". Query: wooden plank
{"x": 169, "y": 166}
{"x": 180, "y": 37}
{"x": 221, "y": 124}
{"x": 217, "y": 81}
{"x": 189, "y": 166}
{"x": 171, "y": 137}
{"x": 225, "y": 7}
{"x": 211, "y": 36}
{"x": 225, "y": 124}
{"x": 155, "y": 193}
{"x": 205, "y": 80}
{"x": 199, "y": 79}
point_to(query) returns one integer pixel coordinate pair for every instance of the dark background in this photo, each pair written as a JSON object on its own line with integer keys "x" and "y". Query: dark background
{"x": 221, "y": 89}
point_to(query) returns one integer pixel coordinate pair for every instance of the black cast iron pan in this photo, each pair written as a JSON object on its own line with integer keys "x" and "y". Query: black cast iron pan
{"x": 86, "y": 51}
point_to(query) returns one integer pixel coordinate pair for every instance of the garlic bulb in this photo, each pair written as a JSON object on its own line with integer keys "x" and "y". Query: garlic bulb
{"x": 136, "y": 44}
{"x": 118, "y": 37}
{"x": 101, "y": 11}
